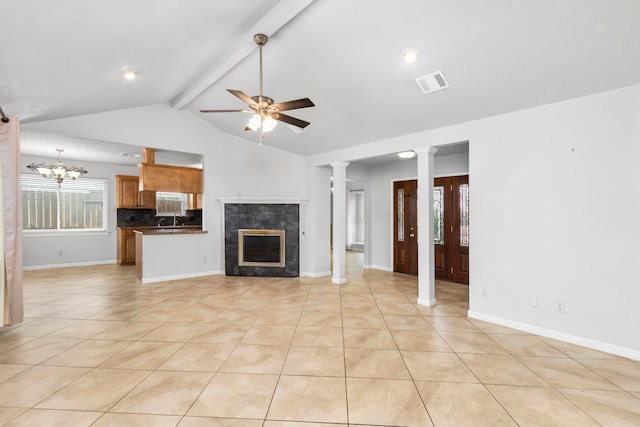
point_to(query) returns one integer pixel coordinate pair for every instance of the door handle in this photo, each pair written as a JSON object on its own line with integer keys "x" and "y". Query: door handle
{"x": 412, "y": 235}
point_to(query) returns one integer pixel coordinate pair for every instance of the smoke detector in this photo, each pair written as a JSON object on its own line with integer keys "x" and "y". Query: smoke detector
{"x": 432, "y": 82}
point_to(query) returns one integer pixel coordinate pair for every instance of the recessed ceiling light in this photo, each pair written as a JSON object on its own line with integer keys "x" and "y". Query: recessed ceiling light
{"x": 407, "y": 154}
{"x": 410, "y": 55}
{"x": 129, "y": 75}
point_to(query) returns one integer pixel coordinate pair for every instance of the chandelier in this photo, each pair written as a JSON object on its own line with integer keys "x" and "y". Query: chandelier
{"x": 57, "y": 171}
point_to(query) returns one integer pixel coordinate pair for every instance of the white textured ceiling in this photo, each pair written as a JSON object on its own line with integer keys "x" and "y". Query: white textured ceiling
{"x": 61, "y": 59}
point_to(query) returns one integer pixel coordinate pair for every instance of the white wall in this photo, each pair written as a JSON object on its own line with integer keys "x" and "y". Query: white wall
{"x": 233, "y": 167}
{"x": 555, "y": 214}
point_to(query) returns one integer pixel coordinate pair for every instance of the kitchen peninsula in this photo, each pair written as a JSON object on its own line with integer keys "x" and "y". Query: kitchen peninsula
{"x": 168, "y": 253}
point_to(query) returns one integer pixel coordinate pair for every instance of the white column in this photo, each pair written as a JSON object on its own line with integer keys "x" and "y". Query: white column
{"x": 426, "y": 267}
{"x": 339, "y": 221}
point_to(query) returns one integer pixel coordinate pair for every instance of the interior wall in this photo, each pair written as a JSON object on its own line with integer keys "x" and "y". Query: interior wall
{"x": 233, "y": 167}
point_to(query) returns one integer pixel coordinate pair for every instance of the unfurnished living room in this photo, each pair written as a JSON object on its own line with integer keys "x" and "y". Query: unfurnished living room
{"x": 313, "y": 213}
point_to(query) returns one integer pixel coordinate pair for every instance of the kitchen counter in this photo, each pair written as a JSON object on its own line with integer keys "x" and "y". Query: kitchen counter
{"x": 169, "y": 230}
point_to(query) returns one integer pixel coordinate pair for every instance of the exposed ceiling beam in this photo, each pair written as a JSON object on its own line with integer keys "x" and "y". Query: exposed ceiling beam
{"x": 270, "y": 23}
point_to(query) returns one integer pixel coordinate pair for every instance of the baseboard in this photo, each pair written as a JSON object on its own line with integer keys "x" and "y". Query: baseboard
{"x": 338, "y": 281}
{"x": 557, "y": 335}
{"x": 427, "y": 302}
{"x": 70, "y": 264}
{"x": 315, "y": 275}
{"x": 182, "y": 276}
{"x": 379, "y": 267}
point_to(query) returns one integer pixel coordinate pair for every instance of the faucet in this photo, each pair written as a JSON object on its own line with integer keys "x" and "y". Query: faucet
{"x": 175, "y": 215}
{"x": 160, "y": 222}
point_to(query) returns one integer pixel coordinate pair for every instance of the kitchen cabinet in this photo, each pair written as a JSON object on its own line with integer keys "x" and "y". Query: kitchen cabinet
{"x": 126, "y": 246}
{"x": 195, "y": 201}
{"x": 129, "y": 196}
{"x": 169, "y": 178}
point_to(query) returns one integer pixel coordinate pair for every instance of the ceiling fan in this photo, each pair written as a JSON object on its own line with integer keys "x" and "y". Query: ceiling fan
{"x": 265, "y": 110}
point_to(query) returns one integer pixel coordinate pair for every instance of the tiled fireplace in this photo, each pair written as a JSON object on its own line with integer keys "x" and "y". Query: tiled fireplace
{"x": 262, "y": 239}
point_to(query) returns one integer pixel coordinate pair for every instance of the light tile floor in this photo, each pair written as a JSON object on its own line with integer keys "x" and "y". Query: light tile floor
{"x": 100, "y": 349}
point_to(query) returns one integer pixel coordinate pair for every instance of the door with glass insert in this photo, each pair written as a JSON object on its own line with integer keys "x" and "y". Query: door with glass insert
{"x": 451, "y": 228}
{"x": 405, "y": 230}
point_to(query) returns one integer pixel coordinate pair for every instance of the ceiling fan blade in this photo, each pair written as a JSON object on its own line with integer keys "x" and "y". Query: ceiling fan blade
{"x": 295, "y": 104}
{"x": 291, "y": 120}
{"x": 244, "y": 97}
{"x": 226, "y": 111}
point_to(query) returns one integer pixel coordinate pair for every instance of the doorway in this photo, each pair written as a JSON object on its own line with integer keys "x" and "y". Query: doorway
{"x": 405, "y": 229}
{"x": 451, "y": 228}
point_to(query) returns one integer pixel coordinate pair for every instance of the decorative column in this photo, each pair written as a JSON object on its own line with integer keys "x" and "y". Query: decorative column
{"x": 426, "y": 267}
{"x": 339, "y": 221}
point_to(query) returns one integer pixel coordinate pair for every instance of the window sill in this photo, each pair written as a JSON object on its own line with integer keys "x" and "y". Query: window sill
{"x": 63, "y": 233}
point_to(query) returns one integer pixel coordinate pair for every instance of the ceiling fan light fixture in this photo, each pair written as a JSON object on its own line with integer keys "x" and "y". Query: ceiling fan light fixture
{"x": 407, "y": 154}
{"x": 129, "y": 75}
{"x": 267, "y": 123}
{"x": 410, "y": 55}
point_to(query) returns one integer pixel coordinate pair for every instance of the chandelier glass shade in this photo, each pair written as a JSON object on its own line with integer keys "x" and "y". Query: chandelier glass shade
{"x": 58, "y": 171}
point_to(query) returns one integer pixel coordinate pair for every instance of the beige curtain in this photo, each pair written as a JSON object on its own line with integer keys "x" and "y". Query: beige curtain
{"x": 11, "y": 220}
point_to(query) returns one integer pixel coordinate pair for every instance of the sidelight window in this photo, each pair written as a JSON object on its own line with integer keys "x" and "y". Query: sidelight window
{"x": 438, "y": 215}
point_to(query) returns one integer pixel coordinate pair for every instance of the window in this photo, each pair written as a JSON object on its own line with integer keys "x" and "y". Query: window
{"x": 74, "y": 205}
{"x": 168, "y": 204}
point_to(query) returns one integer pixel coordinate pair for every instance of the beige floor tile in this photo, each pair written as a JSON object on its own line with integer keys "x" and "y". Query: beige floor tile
{"x": 387, "y": 402}
{"x": 218, "y": 422}
{"x": 7, "y": 371}
{"x": 313, "y": 399}
{"x": 83, "y": 329}
{"x": 201, "y": 357}
{"x": 98, "y": 390}
{"x": 417, "y": 323}
{"x": 37, "y": 350}
{"x": 127, "y": 331}
{"x": 318, "y": 336}
{"x": 363, "y": 320}
{"x": 142, "y": 355}
{"x": 164, "y": 392}
{"x": 623, "y": 373}
{"x": 384, "y": 364}
{"x": 235, "y": 396}
{"x": 433, "y": 366}
{"x": 49, "y": 418}
{"x": 279, "y": 317}
{"x": 535, "y": 407}
{"x": 437, "y": 310}
{"x": 38, "y": 328}
{"x": 319, "y": 361}
{"x": 301, "y": 424}
{"x": 368, "y": 338}
{"x": 173, "y": 332}
{"x": 320, "y": 318}
{"x": 8, "y": 414}
{"x": 579, "y": 352}
{"x": 492, "y": 328}
{"x": 501, "y": 369}
{"x": 567, "y": 373}
{"x": 256, "y": 359}
{"x": 27, "y": 388}
{"x": 235, "y": 315}
{"x": 419, "y": 341}
{"x": 269, "y": 335}
{"x": 462, "y": 342}
{"x": 609, "y": 408}
{"x": 332, "y": 306}
{"x": 526, "y": 345}
{"x": 222, "y": 333}
{"x": 400, "y": 308}
{"x": 89, "y": 353}
{"x": 9, "y": 342}
{"x": 451, "y": 324}
{"x": 461, "y": 404}
{"x": 138, "y": 420}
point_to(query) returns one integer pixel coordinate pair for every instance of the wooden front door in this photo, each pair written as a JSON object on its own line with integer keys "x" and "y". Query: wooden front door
{"x": 405, "y": 230}
{"x": 451, "y": 228}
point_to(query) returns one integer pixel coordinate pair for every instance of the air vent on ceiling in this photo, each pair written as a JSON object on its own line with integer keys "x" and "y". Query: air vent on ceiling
{"x": 432, "y": 82}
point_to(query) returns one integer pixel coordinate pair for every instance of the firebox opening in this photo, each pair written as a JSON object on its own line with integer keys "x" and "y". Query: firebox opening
{"x": 261, "y": 248}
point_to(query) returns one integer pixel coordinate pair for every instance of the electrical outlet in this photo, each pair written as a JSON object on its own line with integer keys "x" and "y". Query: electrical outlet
{"x": 559, "y": 306}
{"x": 533, "y": 301}
{"x": 484, "y": 293}
{"x": 60, "y": 253}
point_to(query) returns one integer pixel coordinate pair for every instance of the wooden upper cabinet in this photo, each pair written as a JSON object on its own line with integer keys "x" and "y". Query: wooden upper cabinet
{"x": 169, "y": 178}
{"x": 128, "y": 195}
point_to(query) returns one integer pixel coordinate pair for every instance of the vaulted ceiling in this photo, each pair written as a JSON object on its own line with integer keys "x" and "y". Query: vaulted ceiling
{"x": 66, "y": 58}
